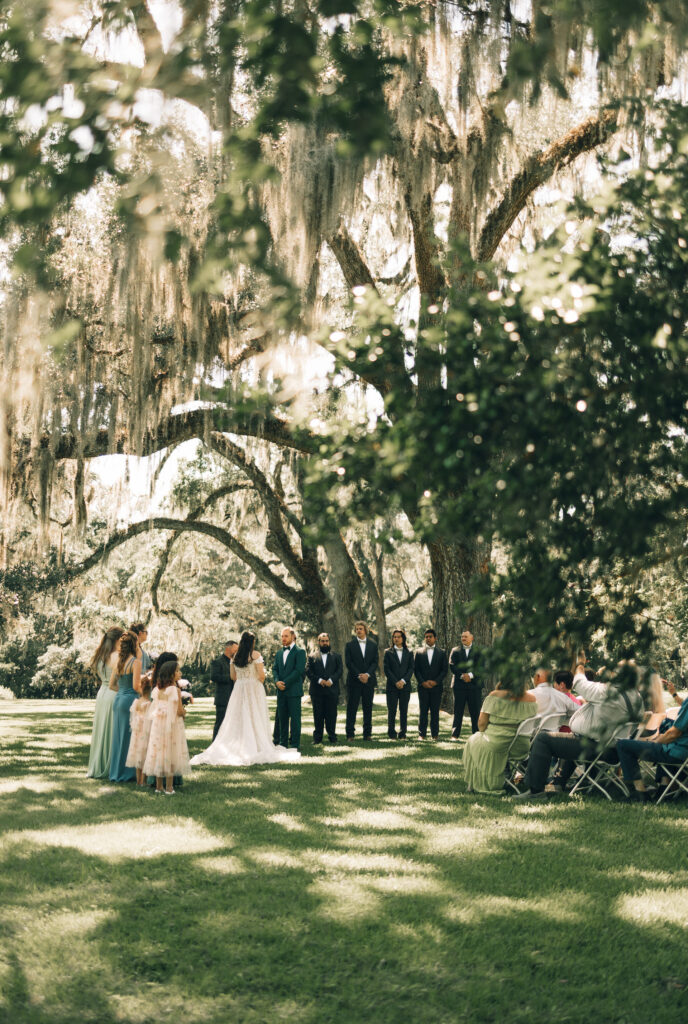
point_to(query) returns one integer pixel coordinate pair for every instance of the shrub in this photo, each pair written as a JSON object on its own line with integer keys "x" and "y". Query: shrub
{"x": 62, "y": 674}
{"x": 6, "y": 694}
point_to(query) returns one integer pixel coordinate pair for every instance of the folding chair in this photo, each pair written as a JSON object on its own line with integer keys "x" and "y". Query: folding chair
{"x": 513, "y": 766}
{"x": 549, "y": 722}
{"x": 674, "y": 772}
{"x": 598, "y": 773}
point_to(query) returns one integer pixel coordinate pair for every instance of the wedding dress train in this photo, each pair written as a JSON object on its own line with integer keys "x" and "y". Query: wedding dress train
{"x": 245, "y": 736}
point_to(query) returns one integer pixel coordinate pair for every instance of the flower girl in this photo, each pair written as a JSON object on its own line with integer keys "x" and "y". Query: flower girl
{"x": 167, "y": 754}
{"x": 140, "y": 718}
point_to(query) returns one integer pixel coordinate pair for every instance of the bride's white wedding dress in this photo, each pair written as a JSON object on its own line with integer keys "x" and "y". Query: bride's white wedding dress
{"x": 245, "y": 736}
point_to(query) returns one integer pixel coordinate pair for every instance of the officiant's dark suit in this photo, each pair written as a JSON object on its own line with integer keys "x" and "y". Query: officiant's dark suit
{"x": 360, "y": 662}
{"x": 397, "y": 666}
{"x": 426, "y": 669}
{"x": 464, "y": 660}
{"x": 224, "y": 684}
{"x": 327, "y": 667}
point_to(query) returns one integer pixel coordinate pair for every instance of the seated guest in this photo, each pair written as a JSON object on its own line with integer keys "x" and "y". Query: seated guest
{"x": 398, "y": 669}
{"x": 669, "y": 745}
{"x": 484, "y": 757}
{"x": 549, "y": 700}
{"x": 608, "y": 706}
{"x": 563, "y": 681}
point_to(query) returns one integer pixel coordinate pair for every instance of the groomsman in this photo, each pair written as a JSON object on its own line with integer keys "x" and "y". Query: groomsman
{"x": 288, "y": 671}
{"x": 324, "y": 670}
{"x": 430, "y": 668}
{"x": 219, "y": 674}
{"x": 463, "y": 662}
{"x": 360, "y": 655}
{"x": 398, "y": 668}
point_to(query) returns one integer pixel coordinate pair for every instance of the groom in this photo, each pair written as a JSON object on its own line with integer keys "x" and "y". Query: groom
{"x": 288, "y": 671}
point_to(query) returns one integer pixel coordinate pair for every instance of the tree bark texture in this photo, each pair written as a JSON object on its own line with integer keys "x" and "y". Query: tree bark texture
{"x": 455, "y": 569}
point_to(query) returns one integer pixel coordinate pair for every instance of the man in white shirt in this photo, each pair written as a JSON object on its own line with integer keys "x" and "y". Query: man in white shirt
{"x": 608, "y": 706}
{"x": 549, "y": 700}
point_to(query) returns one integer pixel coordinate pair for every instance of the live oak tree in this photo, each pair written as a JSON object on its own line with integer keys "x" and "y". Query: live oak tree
{"x": 409, "y": 142}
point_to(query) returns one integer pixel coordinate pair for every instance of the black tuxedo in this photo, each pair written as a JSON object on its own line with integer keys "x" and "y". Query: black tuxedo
{"x": 359, "y": 664}
{"x": 429, "y": 700}
{"x": 224, "y": 684}
{"x": 465, "y": 693}
{"x": 324, "y": 698}
{"x": 396, "y": 669}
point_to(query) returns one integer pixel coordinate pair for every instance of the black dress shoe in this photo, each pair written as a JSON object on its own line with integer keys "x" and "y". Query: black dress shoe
{"x": 332, "y": 739}
{"x": 392, "y": 735}
{"x": 401, "y": 735}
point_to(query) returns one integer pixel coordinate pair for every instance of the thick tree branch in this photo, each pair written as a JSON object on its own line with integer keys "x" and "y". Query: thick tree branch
{"x": 356, "y": 272}
{"x": 537, "y": 169}
{"x": 180, "y": 427}
{"x": 217, "y": 533}
{"x": 216, "y": 495}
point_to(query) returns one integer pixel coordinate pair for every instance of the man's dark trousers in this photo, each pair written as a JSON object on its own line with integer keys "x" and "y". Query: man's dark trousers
{"x": 429, "y": 700}
{"x": 360, "y": 693}
{"x": 466, "y": 694}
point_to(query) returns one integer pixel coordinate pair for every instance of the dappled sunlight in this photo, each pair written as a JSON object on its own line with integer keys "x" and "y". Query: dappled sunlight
{"x": 658, "y": 877}
{"x": 288, "y": 822}
{"x": 133, "y": 837}
{"x": 220, "y": 865}
{"x": 457, "y": 839}
{"x": 363, "y": 863}
{"x": 346, "y": 901}
{"x": 276, "y": 858}
{"x": 32, "y": 785}
{"x": 565, "y": 907}
{"x": 653, "y": 907}
{"x": 380, "y": 819}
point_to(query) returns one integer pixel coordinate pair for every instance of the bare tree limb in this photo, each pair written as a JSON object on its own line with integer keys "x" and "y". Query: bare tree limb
{"x": 409, "y": 599}
{"x": 537, "y": 169}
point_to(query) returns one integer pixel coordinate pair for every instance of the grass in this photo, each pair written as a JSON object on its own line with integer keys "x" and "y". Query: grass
{"x": 362, "y": 884}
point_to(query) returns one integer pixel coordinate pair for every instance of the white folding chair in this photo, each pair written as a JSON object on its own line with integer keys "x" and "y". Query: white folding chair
{"x": 678, "y": 778}
{"x": 599, "y": 773}
{"x": 516, "y": 765}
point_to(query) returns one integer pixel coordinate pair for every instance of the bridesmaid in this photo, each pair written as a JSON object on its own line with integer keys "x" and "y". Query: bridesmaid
{"x": 128, "y": 688}
{"x": 104, "y": 662}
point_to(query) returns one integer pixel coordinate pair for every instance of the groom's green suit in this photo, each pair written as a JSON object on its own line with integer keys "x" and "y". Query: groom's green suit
{"x": 291, "y": 672}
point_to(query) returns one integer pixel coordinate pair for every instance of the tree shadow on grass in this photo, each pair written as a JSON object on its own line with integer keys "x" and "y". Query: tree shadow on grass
{"x": 335, "y": 891}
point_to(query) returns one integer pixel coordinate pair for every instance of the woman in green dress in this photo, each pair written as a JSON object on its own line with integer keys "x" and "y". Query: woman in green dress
{"x": 103, "y": 662}
{"x": 485, "y": 753}
{"x": 128, "y": 689}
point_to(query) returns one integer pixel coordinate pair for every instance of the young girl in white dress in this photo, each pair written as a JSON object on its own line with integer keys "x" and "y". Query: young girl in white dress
{"x": 140, "y": 719}
{"x": 167, "y": 754}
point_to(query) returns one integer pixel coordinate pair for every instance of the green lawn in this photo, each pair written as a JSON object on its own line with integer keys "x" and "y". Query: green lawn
{"x": 362, "y": 884}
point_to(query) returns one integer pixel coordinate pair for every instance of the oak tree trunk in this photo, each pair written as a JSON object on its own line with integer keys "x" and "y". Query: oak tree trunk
{"x": 456, "y": 567}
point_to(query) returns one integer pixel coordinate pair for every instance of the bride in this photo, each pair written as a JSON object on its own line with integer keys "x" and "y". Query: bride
{"x": 245, "y": 736}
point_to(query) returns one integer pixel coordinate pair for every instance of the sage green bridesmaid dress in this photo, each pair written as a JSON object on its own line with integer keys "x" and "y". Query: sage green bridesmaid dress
{"x": 101, "y": 737}
{"x": 484, "y": 756}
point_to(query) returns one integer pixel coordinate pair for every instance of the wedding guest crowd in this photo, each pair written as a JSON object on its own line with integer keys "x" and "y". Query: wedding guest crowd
{"x": 138, "y": 727}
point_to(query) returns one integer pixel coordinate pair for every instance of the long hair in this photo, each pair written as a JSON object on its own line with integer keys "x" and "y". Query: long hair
{"x": 245, "y": 649}
{"x": 159, "y": 662}
{"x": 127, "y": 649}
{"x": 403, "y": 637}
{"x": 515, "y": 687}
{"x": 106, "y": 646}
{"x": 166, "y": 674}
